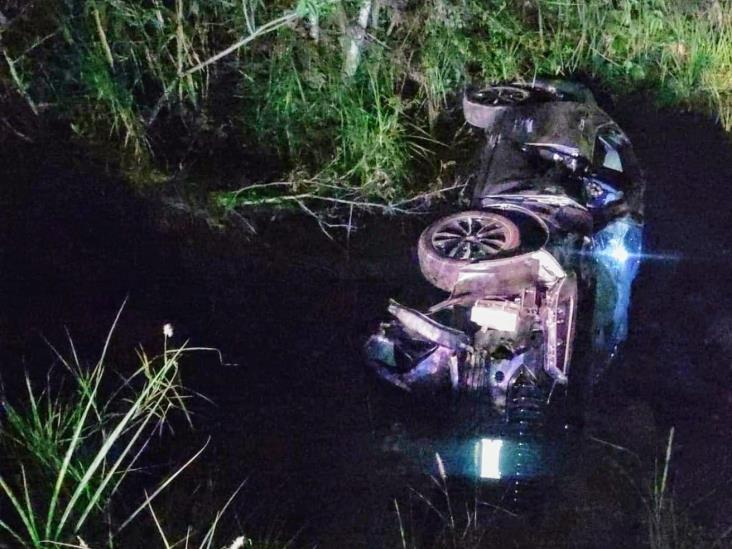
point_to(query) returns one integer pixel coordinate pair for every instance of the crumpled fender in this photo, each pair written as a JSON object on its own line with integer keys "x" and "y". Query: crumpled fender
{"x": 432, "y": 370}
{"x": 429, "y": 329}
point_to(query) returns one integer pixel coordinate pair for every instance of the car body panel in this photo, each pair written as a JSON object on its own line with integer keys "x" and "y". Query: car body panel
{"x": 564, "y": 173}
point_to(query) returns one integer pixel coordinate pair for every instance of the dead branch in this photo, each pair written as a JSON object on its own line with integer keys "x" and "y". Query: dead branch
{"x": 405, "y": 207}
{"x": 361, "y": 204}
{"x": 425, "y": 196}
{"x": 260, "y": 31}
{"x": 18, "y": 83}
{"x": 17, "y": 132}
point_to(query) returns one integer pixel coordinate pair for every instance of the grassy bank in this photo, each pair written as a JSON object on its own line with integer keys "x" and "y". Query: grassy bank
{"x": 328, "y": 99}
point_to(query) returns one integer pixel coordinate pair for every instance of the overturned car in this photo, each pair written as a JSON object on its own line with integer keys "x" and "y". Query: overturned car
{"x": 538, "y": 269}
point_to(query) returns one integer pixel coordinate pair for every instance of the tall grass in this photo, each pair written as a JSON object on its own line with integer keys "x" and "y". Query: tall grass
{"x": 669, "y": 526}
{"x": 72, "y": 448}
{"x": 452, "y": 520}
{"x": 465, "y": 520}
{"x": 147, "y": 79}
{"x": 353, "y": 135}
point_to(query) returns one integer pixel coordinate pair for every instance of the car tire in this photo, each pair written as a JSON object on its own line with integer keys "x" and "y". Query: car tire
{"x": 453, "y": 242}
{"x": 483, "y": 107}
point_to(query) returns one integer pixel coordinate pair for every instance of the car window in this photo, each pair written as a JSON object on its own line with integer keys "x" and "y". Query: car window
{"x": 609, "y": 149}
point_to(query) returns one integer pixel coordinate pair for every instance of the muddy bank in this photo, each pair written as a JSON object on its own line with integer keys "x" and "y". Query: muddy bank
{"x": 294, "y": 413}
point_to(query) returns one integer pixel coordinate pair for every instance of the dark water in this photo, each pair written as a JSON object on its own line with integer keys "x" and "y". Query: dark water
{"x": 294, "y": 413}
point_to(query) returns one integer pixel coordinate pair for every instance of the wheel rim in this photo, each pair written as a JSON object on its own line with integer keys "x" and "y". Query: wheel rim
{"x": 501, "y": 95}
{"x": 472, "y": 238}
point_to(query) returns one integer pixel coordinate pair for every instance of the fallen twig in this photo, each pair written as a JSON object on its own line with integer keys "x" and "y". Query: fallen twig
{"x": 404, "y": 207}
{"x": 17, "y": 132}
{"x": 19, "y": 83}
{"x": 614, "y": 446}
{"x": 429, "y": 194}
{"x": 394, "y": 206}
{"x": 324, "y": 225}
{"x": 390, "y": 208}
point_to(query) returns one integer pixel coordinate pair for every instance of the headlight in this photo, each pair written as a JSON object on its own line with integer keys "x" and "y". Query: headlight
{"x": 617, "y": 251}
{"x": 490, "y": 458}
{"x": 618, "y": 243}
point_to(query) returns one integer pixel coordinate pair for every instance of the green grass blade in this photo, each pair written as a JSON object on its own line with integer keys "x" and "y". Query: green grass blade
{"x": 28, "y": 506}
{"x": 209, "y": 538}
{"x": 108, "y": 475}
{"x": 136, "y": 409}
{"x": 27, "y": 520}
{"x": 100, "y": 456}
{"x": 73, "y": 445}
{"x": 76, "y": 438}
{"x": 164, "y": 539}
{"x": 111, "y": 331}
{"x": 33, "y": 404}
{"x": 13, "y": 533}
{"x": 164, "y": 485}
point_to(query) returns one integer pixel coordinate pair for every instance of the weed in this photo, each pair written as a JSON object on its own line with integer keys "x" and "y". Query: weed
{"x": 457, "y": 521}
{"x": 144, "y": 78}
{"x": 75, "y": 447}
{"x": 668, "y": 525}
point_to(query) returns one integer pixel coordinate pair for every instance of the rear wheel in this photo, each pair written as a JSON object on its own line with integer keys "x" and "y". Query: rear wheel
{"x": 483, "y": 107}
{"x": 457, "y": 240}
{"x": 495, "y": 96}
